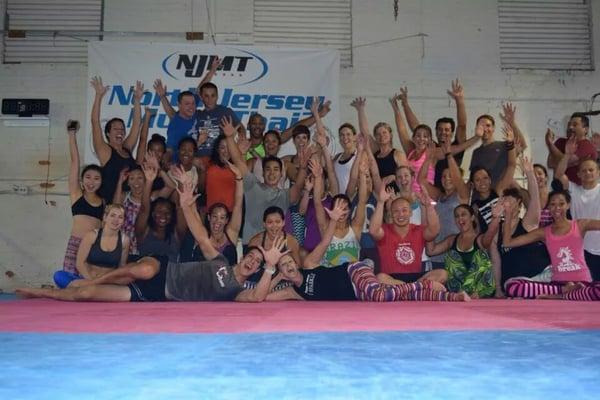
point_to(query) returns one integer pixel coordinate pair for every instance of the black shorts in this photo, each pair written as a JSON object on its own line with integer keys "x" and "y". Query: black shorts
{"x": 408, "y": 278}
{"x": 593, "y": 263}
{"x": 152, "y": 289}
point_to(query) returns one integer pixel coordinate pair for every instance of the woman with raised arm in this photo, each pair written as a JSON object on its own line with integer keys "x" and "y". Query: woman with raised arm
{"x": 467, "y": 264}
{"x": 452, "y": 193}
{"x": 274, "y": 221}
{"x": 156, "y": 227}
{"x": 157, "y": 145}
{"x": 310, "y": 236}
{"x": 526, "y": 261}
{"x": 115, "y": 153}
{"x": 223, "y": 222}
{"x": 345, "y": 242}
{"x": 349, "y": 281}
{"x": 485, "y": 195}
{"x": 541, "y": 177}
{"x": 131, "y": 201}
{"x": 87, "y": 207}
{"x": 387, "y": 157}
{"x": 570, "y": 275}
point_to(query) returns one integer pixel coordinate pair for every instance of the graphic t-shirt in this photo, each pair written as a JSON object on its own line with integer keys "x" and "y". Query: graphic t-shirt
{"x": 211, "y": 121}
{"x": 401, "y": 255}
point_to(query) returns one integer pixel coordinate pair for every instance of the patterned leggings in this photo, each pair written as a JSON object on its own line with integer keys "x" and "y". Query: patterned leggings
{"x": 368, "y": 288}
{"x": 70, "y": 260}
{"x": 530, "y": 290}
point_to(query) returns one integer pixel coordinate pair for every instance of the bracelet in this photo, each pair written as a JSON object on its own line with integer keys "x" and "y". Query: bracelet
{"x": 510, "y": 145}
{"x": 447, "y": 154}
{"x": 239, "y": 179}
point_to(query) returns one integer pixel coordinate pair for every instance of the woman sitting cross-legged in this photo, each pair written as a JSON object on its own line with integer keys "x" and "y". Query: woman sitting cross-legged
{"x": 571, "y": 279}
{"x": 468, "y": 266}
{"x": 349, "y": 281}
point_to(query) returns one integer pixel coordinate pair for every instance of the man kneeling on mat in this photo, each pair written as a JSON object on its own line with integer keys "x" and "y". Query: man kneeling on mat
{"x": 355, "y": 281}
{"x": 156, "y": 279}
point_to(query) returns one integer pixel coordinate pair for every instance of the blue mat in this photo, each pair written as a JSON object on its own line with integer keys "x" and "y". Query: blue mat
{"x": 355, "y": 365}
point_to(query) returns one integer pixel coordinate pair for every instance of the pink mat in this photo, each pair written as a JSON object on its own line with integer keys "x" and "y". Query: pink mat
{"x": 54, "y": 316}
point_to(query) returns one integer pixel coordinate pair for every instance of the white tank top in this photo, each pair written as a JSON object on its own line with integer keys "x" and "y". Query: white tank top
{"x": 342, "y": 250}
{"x": 342, "y": 170}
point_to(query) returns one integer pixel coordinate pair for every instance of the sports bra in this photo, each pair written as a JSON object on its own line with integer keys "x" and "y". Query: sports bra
{"x": 82, "y": 207}
{"x": 106, "y": 259}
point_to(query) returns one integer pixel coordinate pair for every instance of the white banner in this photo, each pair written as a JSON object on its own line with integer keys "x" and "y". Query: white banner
{"x": 277, "y": 82}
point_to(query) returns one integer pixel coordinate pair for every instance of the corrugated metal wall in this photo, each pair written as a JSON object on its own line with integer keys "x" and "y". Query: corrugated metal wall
{"x": 545, "y": 34}
{"x": 56, "y": 30}
{"x": 305, "y": 23}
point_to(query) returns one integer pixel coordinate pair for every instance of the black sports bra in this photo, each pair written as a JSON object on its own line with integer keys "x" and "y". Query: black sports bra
{"x": 107, "y": 259}
{"x": 82, "y": 207}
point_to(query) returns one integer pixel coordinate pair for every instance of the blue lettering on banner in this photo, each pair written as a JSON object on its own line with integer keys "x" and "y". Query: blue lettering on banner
{"x": 292, "y": 108}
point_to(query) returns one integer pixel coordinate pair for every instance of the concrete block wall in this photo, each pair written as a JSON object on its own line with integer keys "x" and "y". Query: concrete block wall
{"x": 430, "y": 44}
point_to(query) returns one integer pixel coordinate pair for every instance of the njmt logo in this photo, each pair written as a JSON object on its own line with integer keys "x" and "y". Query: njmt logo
{"x": 240, "y": 69}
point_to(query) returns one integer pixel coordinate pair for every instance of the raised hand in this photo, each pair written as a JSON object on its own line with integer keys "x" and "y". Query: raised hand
{"x": 509, "y": 134}
{"x": 98, "y": 86}
{"x": 138, "y": 91}
{"x": 457, "y": 92}
{"x": 508, "y": 113}
{"x": 314, "y": 106}
{"x": 385, "y": 193}
{"x": 549, "y": 137}
{"x": 273, "y": 255}
{"x": 337, "y": 211}
{"x": 150, "y": 171}
{"x": 498, "y": 208}
{"x": 315, "y": 167}
{"x": 430, "y": 152}
{"x": 358, "y": 103}
{"x": 525, "y": 164}
{"x": 234, "y": 169}
{"x": 403, "y": 95}
{"x": 424, "y": 197}
{"x": 159, "y": 88}
{"x": 227, "y": 126}
{"x": 152, "y": 160}
{"x": 186, "y": 194}
{"x": 571, "y": 146}
{"x": 123, "y": 175}
{"x": 479, "y": 130}
{"x": 178, "y": 173}
{"x": 215, "y": 64}
{"x": 72, "y": 127}
{"x": 325, "y": 108}
{"x": 394, "y": 102}
{"x": 243, "y": 143}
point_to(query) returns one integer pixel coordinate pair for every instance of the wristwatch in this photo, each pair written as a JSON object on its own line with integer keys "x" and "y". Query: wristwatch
{"x": 270, "y": 270}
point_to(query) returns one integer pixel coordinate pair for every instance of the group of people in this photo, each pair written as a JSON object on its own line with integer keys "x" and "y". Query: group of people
{"x": 371, "y": 223}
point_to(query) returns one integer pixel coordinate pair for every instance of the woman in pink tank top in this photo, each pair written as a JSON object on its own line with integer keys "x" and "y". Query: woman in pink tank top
{"x": 571, "y": 277}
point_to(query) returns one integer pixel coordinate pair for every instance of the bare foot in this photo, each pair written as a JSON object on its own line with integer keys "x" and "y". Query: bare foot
{"x": 463, "y": 296}
{"x": 474, "y": 296}
{"x": 549, "y": 296}
{"x": 29, "y": 293}
{"x": 437, "y": 286}
{"x": 569, "y": 286}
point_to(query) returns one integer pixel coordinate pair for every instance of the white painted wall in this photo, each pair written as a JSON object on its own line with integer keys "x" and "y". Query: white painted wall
{"x": 461, "y": 41}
